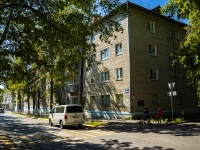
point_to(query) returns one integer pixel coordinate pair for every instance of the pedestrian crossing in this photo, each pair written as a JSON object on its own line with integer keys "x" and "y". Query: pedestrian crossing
{"x": 8, "y": 141}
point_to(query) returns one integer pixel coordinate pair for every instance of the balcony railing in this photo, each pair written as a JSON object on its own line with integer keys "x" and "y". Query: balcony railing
{"x": 73, "y": 88}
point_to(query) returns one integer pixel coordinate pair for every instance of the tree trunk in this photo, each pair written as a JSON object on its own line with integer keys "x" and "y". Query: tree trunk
{"x": 34, "y": 102}
{"x": 28, "y": 99}
{"x": 38, "y": 96}
{"x": 51, "y": 94}
{"x": 81, "y": 84}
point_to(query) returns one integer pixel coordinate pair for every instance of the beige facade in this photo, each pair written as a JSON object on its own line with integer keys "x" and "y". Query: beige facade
{"x": 132, "y": 72}
{"x": 147, "y": 43}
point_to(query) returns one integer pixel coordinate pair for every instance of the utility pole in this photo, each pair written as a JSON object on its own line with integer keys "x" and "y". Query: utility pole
{"x": 171, "y": 94}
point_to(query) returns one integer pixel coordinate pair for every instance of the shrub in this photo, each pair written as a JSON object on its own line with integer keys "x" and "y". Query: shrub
{"x": 178, "y": 120}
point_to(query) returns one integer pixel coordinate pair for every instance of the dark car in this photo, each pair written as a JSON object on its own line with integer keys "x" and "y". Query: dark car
{"x": 1, "y": 110}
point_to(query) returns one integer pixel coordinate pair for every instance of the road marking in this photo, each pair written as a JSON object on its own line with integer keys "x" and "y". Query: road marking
{"x": 83, "y": 134}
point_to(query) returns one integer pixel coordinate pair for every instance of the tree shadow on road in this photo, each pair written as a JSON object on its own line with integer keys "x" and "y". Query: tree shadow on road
{"x": 35, "y": 136}
{"x": 185, "y": 129}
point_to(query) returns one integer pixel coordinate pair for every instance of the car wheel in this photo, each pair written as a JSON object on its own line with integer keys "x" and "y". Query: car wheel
{"x": 61, "y": 125}
{"x": 50, "y": 123}
{"x": 80, "y": 125}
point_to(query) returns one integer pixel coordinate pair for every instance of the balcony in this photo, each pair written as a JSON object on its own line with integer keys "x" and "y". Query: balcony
{"x": 73, "y": 88}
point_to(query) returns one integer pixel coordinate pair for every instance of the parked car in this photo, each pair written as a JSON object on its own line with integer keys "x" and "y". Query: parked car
{"x": 63, "y": 115}
{"x": 2, "y": 110}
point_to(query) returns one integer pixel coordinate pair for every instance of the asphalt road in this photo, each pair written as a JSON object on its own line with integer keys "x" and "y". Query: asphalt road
{"x": 18, "y": 133}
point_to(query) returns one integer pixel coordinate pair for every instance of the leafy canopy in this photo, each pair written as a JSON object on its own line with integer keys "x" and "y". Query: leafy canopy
{"x": 50, "y": 36}
{"x": 189, "y": 53}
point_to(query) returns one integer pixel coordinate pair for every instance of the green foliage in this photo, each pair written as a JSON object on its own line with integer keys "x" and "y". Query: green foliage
{"x": 95, "y": 123}
{"x": 189, "y": 53}
{"x": 47, "y": 39}
{"x": 178, "y": 121}
{"x": 166, "y": 120}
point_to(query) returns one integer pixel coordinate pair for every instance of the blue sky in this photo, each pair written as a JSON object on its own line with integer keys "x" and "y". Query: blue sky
{"x": 148, "y": 3}
{"x": 156, "y": 2}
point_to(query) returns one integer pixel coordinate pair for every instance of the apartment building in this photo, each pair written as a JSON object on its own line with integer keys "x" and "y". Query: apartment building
{"x": 134, "y": 70}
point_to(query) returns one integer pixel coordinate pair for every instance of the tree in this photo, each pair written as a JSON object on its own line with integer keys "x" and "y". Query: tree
{"x": 52, "y": 35}
{"x": 189, "y": 53}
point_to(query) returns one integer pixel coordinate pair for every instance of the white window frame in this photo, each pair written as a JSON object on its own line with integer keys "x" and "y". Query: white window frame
{"x": 154, "y": 74}
{"x": 104, "y": 76}
{"x": 119, "y": 73}
{"x": 152, "y": 50}
{"x": 151, "y": 26}
{"x": 105, "y": 54}
{"x": 105, "y": 100}
{"x": 118, "y": 48}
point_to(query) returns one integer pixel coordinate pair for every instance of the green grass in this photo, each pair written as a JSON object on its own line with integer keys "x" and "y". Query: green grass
{"x": 29, "y": 115}
{"x": 166, "y": 120}
{"x": 178, "y": 121}
{"x": 95, "y": 123}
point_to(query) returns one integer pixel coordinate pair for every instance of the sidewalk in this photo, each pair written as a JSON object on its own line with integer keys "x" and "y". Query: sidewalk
{"x": 102, "y": 120}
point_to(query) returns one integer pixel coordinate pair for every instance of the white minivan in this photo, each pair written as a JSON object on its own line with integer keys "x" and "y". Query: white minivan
{"x": 66, "y": 115}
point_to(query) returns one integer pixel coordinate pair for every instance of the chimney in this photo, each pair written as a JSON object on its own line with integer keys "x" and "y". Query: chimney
{"x": 157, "y": 9}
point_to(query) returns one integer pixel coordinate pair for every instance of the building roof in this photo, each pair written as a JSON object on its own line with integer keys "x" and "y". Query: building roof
{"x": 155, "y": 11}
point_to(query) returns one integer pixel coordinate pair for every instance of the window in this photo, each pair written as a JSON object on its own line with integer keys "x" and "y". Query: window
{"x": 118, "y": 49}
{"x": 92, "y": 39}
{"x": 92, "y": 100}
{"x": 74, "y": 100}
{"x": 120, "y": 22}
{"x": 105, "y": 100}
{"x": 151, "y": 26}
{"x": 92, "y": 79}
{"x": 92, "y": 58}
{"x": 154, "y": 74}
{"x": 140, "y": 103}
{"x": 53, "y": 110}
{"x": 119, "y": 73}
{"x": 119, "y": 99}
{"x": 105, "y": 76}
{"x": 62, "y": 101}
{"x": 75, "y": 80}
{"x": 177, "y": 35}
{"x": 154, "y": 99}
{"x": 105, "y": 31}
{"x": 74, "y": 109}
{"x": 83, "y": 99}
{"x": 152, "y": 50}
{"x": 60, "y": 109}
{"x": 105, "y": 54}
{"x": 67, "y": 101}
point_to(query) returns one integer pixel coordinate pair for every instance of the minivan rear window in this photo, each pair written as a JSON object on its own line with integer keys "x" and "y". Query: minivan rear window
{"x": 72, "y": 109}
{"x": 60, "y": 109}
